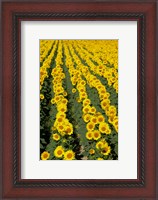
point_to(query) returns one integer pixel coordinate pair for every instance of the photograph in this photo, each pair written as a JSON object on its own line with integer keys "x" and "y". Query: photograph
{"x": 78, "y": 99}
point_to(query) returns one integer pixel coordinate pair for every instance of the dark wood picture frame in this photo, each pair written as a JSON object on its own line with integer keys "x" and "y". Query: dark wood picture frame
{"x": 144, "y": 187}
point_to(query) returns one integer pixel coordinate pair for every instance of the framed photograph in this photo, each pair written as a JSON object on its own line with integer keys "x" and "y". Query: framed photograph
{"x": 79, "y": 100}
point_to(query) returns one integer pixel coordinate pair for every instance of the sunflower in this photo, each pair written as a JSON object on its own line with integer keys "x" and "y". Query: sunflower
{"x": 63, "y": 76}
{"x": 73, "y": 90}
{"x": 61, "y": 128}
{"x": 81, "y": 89}
{"x": 59, "y": 151}
{"x": 105, "y": 103}
{"x": 112, "y": 108}
{"x": 57, "y": 98}
{"x": 91, "y": 151}
{"x": 78, "y": 99}
{"x": 41, "y": 96}
{"x": 83, "y": 82}
{"x": 106, "y": 150}
{"x": 104, "y": 96}
{"x": 53, "y": 128}
{"x": 86, "y": 117}
{"x": 108, "y": 131}
{"x": 111, "y": 111}
{"x": 62, "y": 108}
{"x": 103, "y": 127}
{"x": 53, "y": 71}
{"x": 69, "y": 129}
{"x": 94, "y": 120}
{"x": 86, "y": 109}
{"x": 90, "y": 126}
{"x": 100, "y": 159}
{"x": 60, "y": 114}
{"x": 60, "y": 119}
{"x": 45, "y": 155}
{"x": 56, "y": 137}
{"x": 65, "y": 93}
{"x": 102, "y": 91}
{"x": 96, "y": 134}
{"x": 83, "y": 95}
{"x": 93, "y": 110}
{"x": 86, "y": 102}
{"x": 100, "y": 119}
{"x": 64, "y": 101}
{"x": 52, "y": 101}
{"x": 111, "y": 119}
{"x": 100, "y": 144}
{"x": 89, "y": 135}
{"x": 115, "y": 123}
{"x": 69, "y": 155}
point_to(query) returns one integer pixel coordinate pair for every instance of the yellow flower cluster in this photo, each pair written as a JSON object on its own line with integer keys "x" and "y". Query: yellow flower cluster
{"x": 90, "y": 115}
{"x": 62, "y": 124}
{"x": 75, "y": 75}
{"x": 93, "y": 81}
{"x": 88, "y": 110}
{"x": 109, "y": 73}
{"x": 47, "y": 62}
{"x": 59, "y": 152}
{"x": 103, "y": 147}
{"x": 111, "y": 112}
{"x": 103, "y": 50}
{"x": 45, "y": 47}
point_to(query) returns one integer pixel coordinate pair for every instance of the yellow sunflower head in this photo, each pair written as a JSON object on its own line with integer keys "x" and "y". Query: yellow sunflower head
{"x": 100, "y": 159}
{"x": 59, "y": 152}
{"x": 100, "y": 119}
{"x": 41, "y": 96}
{"x": 73, "y": 90}
{"x": 86, "y": 117}
{"x": 69, "y": 129}
{"x": 106, "y": 150}
{"x": 61, "y": 128}
{"x": 103, "y": 127}
{"x": 56, "y": 137}
{"x": 94, "y": 120}
{"x": 62, "y": 108}
{"x": 91, "y": 151}
{"x": 105, "y": 104}
{"x": 93, "y": 110}
{"x": 65, "y": 93}
{"x": 45, "y": 155}
{"x": 86, "y": 102}
{"x": 69, "y": 155}
{"x": 57, "y": 98}
{"x": 115, "y": 123}
{"x": 83, "y": 95}
{"x": 96, "y": 134}
{"x": 52, "y": 101}
{"x": 100, "y": 144}
{"x": 64, "y": 101}
{"x": 60, "y": 118}
{"x": 60, "y": 114}
{"x": 111, "y": 111}
{"x": 90, "y": 126}
{"x": 89, "y": 135}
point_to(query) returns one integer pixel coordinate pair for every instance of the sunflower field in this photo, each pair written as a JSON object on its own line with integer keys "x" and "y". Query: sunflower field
{"x": 78, "y": 99}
